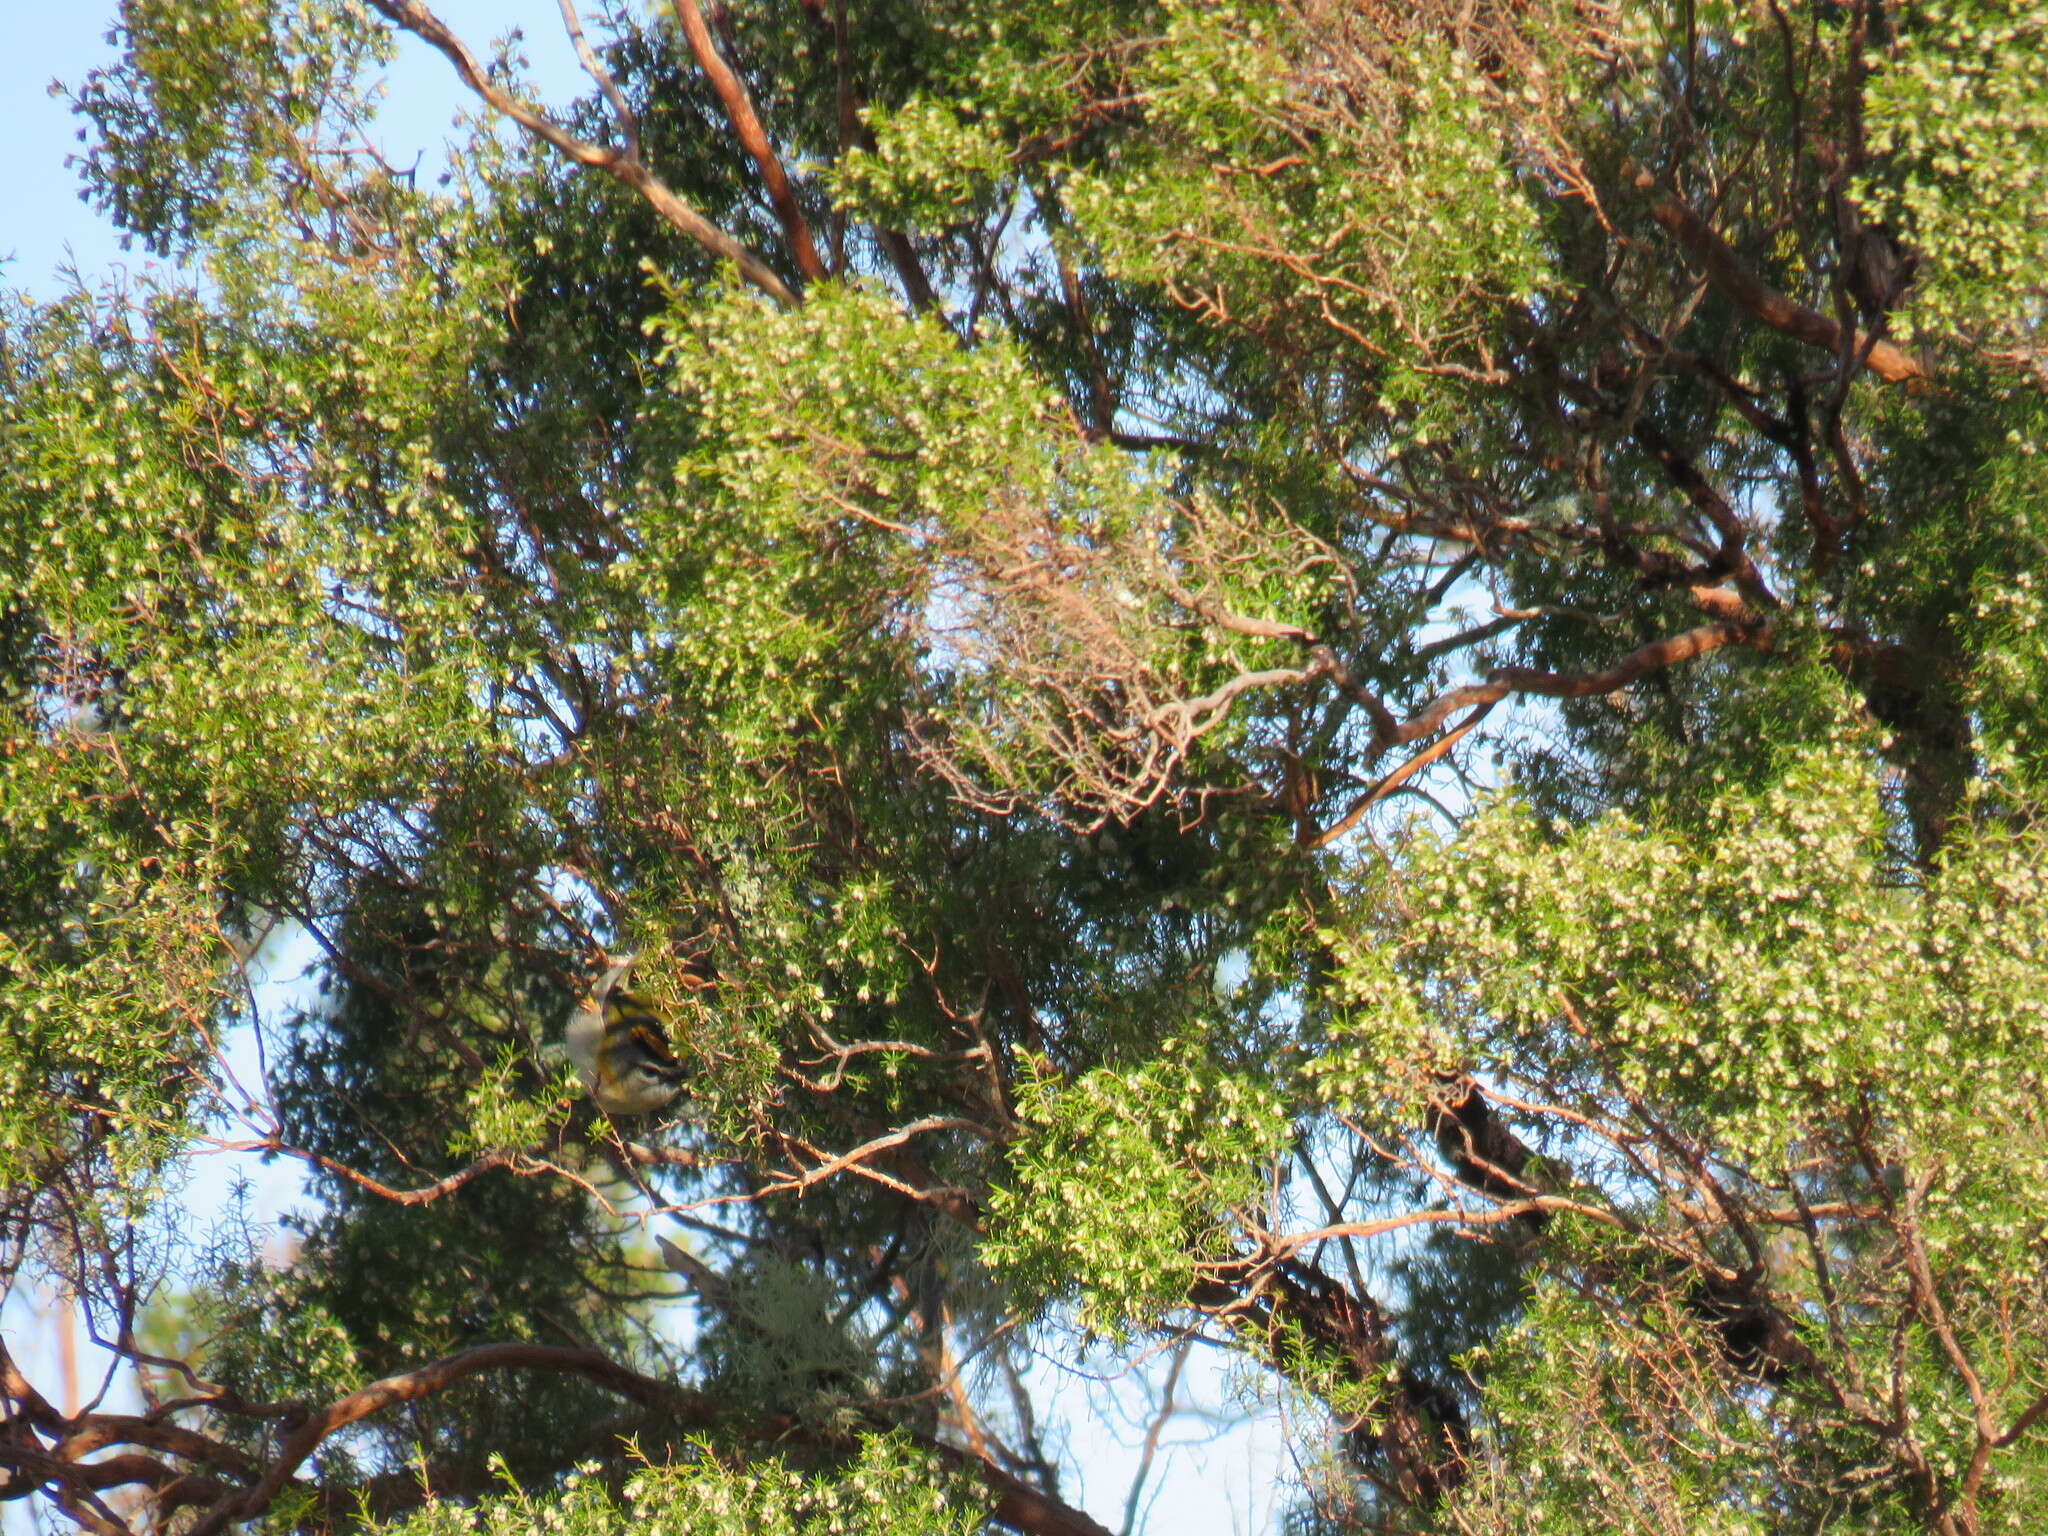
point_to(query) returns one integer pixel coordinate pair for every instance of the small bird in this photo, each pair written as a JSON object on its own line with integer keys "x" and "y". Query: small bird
{"x": 620, "y": 1051}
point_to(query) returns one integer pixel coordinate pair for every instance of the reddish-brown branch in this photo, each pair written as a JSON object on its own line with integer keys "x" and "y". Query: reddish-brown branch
{"x": 1639, "y": 663}
{"x": 1700, "y": 492}
{"x": 1101, "y": 395}
{"x": 103, "y": 1430}
{"x": 895, "y": 244}
{"x": 25, "y": 1403}
{"x": 1708, "y": 501}
{"x": 169, "y": 1488}
{"x": 1295, "y": 1303}
{"x": 1756, "y": 298}
{"x": 428, "y": 1380}
{"x": 1925, "y": 1295}
{"x": 739, "y": 111}
{"x": 1017, "y": 1504}
{"x": 2033, "y": 1414}
{"x": 1506, "y": 1211}
{"x": 621, "y": 165}
{"x": 499, "y": 1158}
{"x": 1399, "y": 776}
{"x": 73, "y": 1487}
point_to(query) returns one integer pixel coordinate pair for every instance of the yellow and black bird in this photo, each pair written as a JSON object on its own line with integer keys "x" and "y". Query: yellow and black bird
{"x": 620, "y": 1049}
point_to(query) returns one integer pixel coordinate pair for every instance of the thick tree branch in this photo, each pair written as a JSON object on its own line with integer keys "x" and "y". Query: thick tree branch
{"x": 1017, "y": 1504}
{"x": 1421, "y": 1437}
{"x": 302, "y": 1442}
{"x": 739, "y": 111}
{"x": 103, "y": 1430}
{"x": 1707, "y": 500}
{"x": 1756, "y": 298}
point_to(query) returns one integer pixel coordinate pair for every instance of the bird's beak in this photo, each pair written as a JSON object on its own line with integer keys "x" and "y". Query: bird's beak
{"x": 612, "y": 977}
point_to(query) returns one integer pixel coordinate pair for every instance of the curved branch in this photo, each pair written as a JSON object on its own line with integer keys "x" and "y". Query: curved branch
{"x": 1017, "y": 1504}
{"x": 1399, "y": 776}
{"x": 1194, "y": 717}
{"x": 74, "y": 1483}
{"x": 593, "y": 66}
{"x": 103, "y": 1430}
{"x": 498, "y": 1158}
{"x": 623, "y": 166}
{"x": 302, "y": 1442}
{"x": 1639, "y": 663}
{"x": 1508, "y": 1210}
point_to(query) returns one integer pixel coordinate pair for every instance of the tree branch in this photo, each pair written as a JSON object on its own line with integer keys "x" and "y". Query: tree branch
{"x": 594, "y": 67}
{"x": 895, "y": 244}
{"x": 739, "y": 111}
{"x": 1506, "y": 1211}
{"x": 500, "y": 1157}
{"x": 622, "y": 166}
{"x": 1639, "y": 663}
{"x": 429, "y": 1379}
{"x": 1399, "y": 776}
{"x": 1017, "y": 1504}
{"x": 1756, "y": 298}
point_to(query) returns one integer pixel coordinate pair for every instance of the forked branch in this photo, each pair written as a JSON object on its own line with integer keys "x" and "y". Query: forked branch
{"x": 623, "y": 165}
{"x": 46, "y": 1448}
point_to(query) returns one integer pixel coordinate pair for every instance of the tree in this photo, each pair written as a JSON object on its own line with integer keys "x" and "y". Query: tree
{"x": 1356, "y": 682}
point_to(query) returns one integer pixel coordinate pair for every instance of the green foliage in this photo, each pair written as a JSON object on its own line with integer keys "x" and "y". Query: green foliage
{"x": 259, "y": 1332}
{"x": 1571, "y": 1402}
{"x": 887, "y": 1487}
{"x": 1761, "y": 967}
{"x": 1124, "y": 1183}
{"x": 927, "y": 167}
{"x": 210, "y": 104}
{"x": 1957, "y": 121}
{"x": 1421, "y": 168}
{"x": 1038, "y": 707}
{"x": 1748, "y": 975}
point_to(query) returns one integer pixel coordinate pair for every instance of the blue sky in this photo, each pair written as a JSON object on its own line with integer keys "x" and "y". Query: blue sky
{"x": 41, "y": 219}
